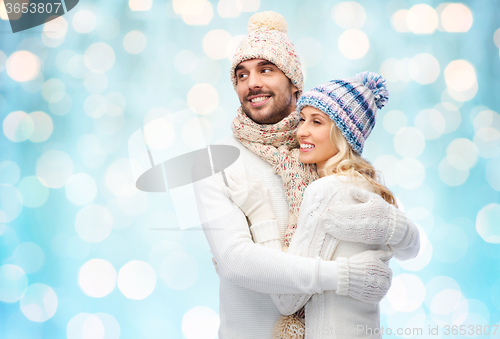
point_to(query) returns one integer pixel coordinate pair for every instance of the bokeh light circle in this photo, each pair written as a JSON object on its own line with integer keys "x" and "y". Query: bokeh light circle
{"x": 9, "y": 172}
{"x": 424, "y": 255}
{"x": 487, "y": 142}
{"x": 450, "y": 175}
{"x": 39, "y": 303}
{"x": 456, "y": 18}
{"x": 409, "y": 142}
{"x": 95, "y": 82}
{"x": 424, "y": 68}
{"x": 399, "y": 22}
{"x": 200, "y": 322}
{"x": 34, "y": 193}
{"x": 11, "y": 203}
{"x": 406, "y": 293}
{"x": 93, "y": 223}
{"x": 462, "y": 154}
{"x": 179, "y": 270}
{"x": 487, "y": 223}
{"x": 215, "y": 43}
{"x": 203, "y": 98}
{"x": 386, "y": 165}
{"x": 492, "y": 170}
{"x": 140, "y": 5}
{"x": 159, "y": 134}
{"x": 81, "y": 189}
{"x": 394, "y": 121}
{"x": 135, "y": 42}
{"x": 120, "y": 178}
{"x": 310, "y": 51}
{"x": 13, "y": 282}
{"x": 410, "y": 173}
{"x": 460, "y": 75}
{"x": 99, "y": 57}
{"x": 53, "y": 90}
{"x": 97, "y": 278}
{"x": 353, "y": 44}
{"x": 451, "y": 116}
{"x": 422, "y": 19}
{"x": 42, "y": 126}
{"x": 84, "y": 21}
{"x": 18, "y": 126}
{"x": 185, "y": 62}
{"x": 23, "y": 66}
{"x": 54, "y": 168}
{"x": 431, "y": 123}
{"x": 449, "y": 243}
{"x": 136, "y": 280}
{"x": 349, "y": 14}
{"x": 445, "y": 301}
{"x": 91, "y": 151}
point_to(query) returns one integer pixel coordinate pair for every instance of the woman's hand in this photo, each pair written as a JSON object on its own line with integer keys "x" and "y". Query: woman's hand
{"x": 365, "y": 276}
{"x": 250, "y": 195}
{"x": 369, "y": 220}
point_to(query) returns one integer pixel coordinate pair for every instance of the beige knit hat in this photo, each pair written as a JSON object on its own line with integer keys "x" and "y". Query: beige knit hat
{"x": 267, "y": 39}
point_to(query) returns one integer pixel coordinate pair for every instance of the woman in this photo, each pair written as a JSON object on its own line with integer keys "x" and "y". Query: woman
{"x": 335, "y": 120}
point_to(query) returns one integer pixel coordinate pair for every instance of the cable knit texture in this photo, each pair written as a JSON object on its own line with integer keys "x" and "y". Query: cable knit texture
{"x": 276, "y": 145}
{"x": 365, "y": 279}
{"x": 367, "y": 218}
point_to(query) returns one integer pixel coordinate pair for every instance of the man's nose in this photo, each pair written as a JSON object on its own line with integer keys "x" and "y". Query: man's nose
{"x": 254, "y": 81}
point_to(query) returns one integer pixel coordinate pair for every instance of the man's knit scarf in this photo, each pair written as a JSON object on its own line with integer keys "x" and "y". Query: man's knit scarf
{"x": 277, "y": 144}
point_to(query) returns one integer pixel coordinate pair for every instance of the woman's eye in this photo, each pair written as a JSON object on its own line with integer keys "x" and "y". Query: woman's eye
{"x": 302, "y": 119}
{"x": 317, "y": 122}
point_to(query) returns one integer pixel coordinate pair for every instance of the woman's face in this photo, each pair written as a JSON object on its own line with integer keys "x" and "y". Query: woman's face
{"x": 314, "y": 137}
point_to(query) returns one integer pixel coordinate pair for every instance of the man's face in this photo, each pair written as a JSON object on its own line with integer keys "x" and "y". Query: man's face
{"x": 267, "y": 96}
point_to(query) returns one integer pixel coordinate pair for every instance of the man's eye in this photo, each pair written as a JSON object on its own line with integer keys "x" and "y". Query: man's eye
{"x": 266, "y": 70}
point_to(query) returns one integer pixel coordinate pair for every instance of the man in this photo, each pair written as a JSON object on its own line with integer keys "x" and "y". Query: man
{"x": 266, "y": 74}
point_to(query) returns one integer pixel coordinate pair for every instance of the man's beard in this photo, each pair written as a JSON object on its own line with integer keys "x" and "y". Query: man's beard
{"x": 280, "y": 109}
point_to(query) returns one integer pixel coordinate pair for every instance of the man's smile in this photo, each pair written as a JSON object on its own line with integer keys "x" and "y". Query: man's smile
{"x": 258, "y": 100}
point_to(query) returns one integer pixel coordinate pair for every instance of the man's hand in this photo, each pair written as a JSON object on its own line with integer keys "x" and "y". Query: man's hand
{"x": 370, "y": 220}
{"x": 250, "y": 196}
{"x": 365, "y": 276}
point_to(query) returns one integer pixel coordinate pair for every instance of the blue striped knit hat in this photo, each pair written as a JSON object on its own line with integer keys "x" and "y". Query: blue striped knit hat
{"x": 351, "y": 103}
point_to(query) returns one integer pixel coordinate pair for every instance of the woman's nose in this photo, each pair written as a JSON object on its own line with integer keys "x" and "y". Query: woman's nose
{"x": 302, "y": 131}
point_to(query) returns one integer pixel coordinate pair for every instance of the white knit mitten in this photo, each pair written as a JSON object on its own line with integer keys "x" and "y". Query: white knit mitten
{"x": 364, "y": 276}
{"x": 251, "y": 196}
{"x": 369, "y": 220}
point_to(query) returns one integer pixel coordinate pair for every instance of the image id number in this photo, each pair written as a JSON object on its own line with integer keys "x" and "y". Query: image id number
{"x": 32, "y": 8}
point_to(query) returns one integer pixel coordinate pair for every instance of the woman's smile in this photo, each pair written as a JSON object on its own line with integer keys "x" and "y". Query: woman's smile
{"x": 316, "y": 146}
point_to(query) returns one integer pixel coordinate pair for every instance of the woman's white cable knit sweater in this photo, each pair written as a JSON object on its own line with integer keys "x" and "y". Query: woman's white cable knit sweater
{"x": 333, "y": 314}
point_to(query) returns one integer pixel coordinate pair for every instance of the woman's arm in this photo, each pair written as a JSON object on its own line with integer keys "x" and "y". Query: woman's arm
{"x": 350, "y": 275}
{"x": 369, "y": 219}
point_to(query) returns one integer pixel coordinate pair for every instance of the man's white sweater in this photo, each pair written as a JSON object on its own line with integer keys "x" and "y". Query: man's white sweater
{"x": 249, "y": 272}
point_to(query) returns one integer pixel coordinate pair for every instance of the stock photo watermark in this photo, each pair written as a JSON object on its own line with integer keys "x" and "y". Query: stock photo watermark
{"x": 26, "y": 14}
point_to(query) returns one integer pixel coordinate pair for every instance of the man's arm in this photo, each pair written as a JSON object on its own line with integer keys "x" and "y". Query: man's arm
{"x": 245, "y": 263}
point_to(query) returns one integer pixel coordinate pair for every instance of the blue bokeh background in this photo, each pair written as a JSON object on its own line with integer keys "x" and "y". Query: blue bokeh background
{"x": 81, "y": 255}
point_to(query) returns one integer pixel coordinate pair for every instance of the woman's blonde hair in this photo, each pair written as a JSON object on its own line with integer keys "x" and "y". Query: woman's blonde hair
{"x": 353, "y": 166}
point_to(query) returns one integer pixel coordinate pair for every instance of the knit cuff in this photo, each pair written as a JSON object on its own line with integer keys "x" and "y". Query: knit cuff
{"x": 343, "y": 276}
{"x": 357, "y": 277}
{"x": 400, "y": 227}
{"x": 265, "y": 231}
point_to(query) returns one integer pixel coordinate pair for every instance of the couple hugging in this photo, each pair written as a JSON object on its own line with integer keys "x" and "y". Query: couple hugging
{"x": 300, "y": 227}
